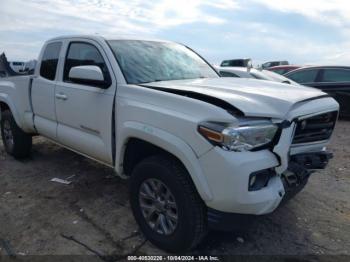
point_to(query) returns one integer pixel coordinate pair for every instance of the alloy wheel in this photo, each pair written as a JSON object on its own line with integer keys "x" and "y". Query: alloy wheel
{"x": 158, "y": 206}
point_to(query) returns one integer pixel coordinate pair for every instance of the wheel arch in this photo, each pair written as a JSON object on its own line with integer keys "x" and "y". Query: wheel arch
{"x": 137, "y": 141}
{"x": 6, "y": 104}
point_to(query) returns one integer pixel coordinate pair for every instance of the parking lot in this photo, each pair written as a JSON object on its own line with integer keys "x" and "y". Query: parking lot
{"x": 92, "y": 214}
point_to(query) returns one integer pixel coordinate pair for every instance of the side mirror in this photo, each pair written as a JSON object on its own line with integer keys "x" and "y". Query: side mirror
{"x": 88, "y": 75}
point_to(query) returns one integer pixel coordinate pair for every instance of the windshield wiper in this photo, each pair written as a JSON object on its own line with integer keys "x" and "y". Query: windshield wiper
{"x": 159, "y": 80}
{"x": 156, "y": 80}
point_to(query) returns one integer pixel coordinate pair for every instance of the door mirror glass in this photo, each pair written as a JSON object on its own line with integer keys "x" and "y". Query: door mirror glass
{"x": 89, "y": 75}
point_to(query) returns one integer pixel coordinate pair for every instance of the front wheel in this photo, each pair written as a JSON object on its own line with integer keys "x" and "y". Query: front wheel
{"x": 17, "y": 143}
{"x": 166, "y": 204}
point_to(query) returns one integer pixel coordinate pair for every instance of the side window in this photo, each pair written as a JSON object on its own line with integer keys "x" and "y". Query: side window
{"x": 84, "y": 54}
{"x": 280, "y": 71}
{"x": 227, "y": 74}
{"x": 306, "y": 76}
{"x": 336, "y": 75}
{"x": 225, "y": 63}
{"x": 49, "y": 60}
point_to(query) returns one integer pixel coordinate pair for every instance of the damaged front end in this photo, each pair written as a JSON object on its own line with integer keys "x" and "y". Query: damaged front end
{"x": 300, "y": 167}
{"x": 309, "y": 131}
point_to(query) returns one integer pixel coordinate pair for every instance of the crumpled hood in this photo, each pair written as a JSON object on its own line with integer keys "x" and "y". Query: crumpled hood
{"x": 252, "y": 97}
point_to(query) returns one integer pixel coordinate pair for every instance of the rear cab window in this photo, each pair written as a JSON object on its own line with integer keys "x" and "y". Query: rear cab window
{"x": 49, "y": 60}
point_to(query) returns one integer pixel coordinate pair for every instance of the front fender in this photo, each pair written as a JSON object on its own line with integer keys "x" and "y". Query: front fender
{"x": 170, "y": 143}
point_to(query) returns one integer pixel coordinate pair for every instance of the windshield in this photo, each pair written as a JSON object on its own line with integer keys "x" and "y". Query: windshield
{"x": 150, "y": 61}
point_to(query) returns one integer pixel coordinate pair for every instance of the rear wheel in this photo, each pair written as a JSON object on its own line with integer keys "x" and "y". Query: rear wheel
{"x": 166, "y": 204}
{"x": 16, "y": 142}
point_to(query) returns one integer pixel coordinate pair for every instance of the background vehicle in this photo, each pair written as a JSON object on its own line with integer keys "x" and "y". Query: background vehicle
{"x": 17, "y": 66}
{"x": 5, "y": 68}
{"x": 247, "y": 62}
{"x": 283, "y": 69}
{"x": 198, "y": 148}
{"x": 273, "y": 63}
{"x": 334, "y": 80}
{"x": 244, "y": 72}
{"x": 29, "y": 67}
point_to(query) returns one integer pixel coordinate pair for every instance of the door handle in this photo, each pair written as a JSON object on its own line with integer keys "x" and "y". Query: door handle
{"x": 61, "y": 96}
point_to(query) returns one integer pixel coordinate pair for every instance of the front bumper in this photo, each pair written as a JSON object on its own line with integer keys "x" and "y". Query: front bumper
{"x": 299, "y": 170}
{"x": 228, "y": 173}
{"x": 293, "y": 179}
{"x": 314, "y": 160}
{"x": 228, "y": 176}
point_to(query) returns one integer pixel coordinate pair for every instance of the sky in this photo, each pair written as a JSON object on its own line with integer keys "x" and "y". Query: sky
{"x": 300, "y": 31}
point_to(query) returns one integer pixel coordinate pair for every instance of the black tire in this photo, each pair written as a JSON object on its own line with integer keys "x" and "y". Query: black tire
{"x": 21, "y": 143}
{"x": 191, "y": 211}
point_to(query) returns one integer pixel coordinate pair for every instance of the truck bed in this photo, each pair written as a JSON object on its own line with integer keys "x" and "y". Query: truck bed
{"x": 15, "y": 91}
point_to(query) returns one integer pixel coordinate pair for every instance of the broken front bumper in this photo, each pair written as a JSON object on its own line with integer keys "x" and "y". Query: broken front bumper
{"x": 315, "y": 160}
{"x": 294, "y": 179}
{"x": 299, "y": 170}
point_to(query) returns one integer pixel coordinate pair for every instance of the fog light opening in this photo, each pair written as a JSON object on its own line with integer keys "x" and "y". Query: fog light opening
{"x": 252, "y": 181}
{"x": 260, "y": 179}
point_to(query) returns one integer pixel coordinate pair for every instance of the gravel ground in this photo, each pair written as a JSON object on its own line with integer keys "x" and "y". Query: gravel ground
{"x": 40, "y": 217}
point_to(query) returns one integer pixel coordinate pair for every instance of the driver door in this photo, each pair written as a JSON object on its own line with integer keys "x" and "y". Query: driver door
{"x": 84, "y": 111}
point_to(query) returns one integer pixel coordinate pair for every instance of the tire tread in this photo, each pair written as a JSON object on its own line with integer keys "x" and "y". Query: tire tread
{"x": 22, "y": 140}
{"x": 197, "y": 217}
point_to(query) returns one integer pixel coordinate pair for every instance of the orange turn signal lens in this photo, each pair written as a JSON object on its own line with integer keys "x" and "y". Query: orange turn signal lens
{"x": 211, "y": 135}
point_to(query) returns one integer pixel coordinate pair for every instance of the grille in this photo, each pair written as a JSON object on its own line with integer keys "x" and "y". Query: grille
{"x": 315, "y": 128}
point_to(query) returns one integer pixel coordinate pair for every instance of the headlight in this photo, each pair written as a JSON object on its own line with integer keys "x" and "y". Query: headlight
{"x": 247, "y": 136}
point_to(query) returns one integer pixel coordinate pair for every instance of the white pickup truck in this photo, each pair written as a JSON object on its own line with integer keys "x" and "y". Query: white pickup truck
{"x": 198, "y": 148}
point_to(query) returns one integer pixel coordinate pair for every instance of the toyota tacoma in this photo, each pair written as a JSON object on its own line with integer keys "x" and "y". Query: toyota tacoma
{"x": 198, "y": 148}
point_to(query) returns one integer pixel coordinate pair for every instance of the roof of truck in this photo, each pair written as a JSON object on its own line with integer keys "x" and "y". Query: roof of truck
{"x": 109, "y": 37}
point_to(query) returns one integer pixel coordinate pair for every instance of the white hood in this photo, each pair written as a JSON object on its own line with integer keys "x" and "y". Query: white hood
{"x": 252, "y": 97}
